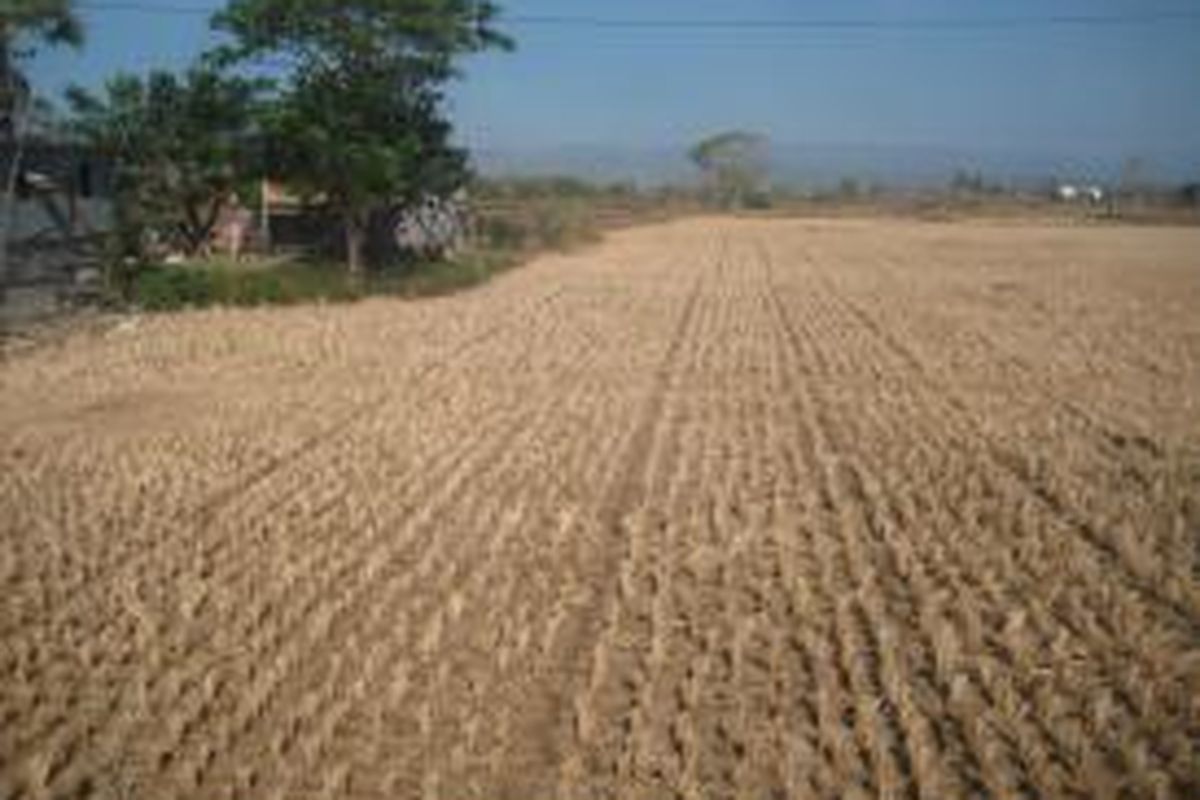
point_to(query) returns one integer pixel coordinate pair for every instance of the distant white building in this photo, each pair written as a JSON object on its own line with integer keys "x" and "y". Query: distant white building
{"x": 1070, "y": 193}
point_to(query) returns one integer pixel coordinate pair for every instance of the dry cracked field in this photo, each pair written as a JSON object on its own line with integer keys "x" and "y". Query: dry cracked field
{"x": 718, "y": 509}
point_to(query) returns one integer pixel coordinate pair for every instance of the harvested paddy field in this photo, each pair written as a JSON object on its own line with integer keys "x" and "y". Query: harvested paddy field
{"x": 717, "y": 509}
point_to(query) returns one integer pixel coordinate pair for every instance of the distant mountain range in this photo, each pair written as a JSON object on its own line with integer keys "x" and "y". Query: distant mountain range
{"x": 825, "y": 165}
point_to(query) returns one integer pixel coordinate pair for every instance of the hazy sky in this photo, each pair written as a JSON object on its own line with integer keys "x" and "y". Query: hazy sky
{"x": 1107, "y": 88}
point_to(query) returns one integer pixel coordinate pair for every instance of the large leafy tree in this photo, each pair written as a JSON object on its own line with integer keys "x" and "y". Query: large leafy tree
{"x": 734, "y": 163}
{"x": 25, "y": 26}
{"x": 180, "y": 146}
{"x": 358, "y": 120}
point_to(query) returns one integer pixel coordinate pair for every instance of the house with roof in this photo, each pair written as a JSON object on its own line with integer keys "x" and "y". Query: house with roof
{"x": 59, "y": 207}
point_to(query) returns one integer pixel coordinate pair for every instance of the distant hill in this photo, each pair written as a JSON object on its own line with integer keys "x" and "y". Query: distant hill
{"x": 824, "y": 165}
{"x": 598, "y": 163}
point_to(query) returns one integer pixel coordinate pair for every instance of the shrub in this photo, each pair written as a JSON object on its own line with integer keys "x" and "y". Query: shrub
{"x": 503, "y": 233}
{"x": 168, "y": 288}
{"x": 254, "y": 288}
{"x": 173, "y": 287}
{"x": 544, "y": 223}
{"x": 759, "y": 201}
{"x": 442, "y": 278}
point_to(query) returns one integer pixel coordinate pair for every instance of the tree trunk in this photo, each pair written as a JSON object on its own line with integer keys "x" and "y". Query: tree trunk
{"x": 354, "y": 244}
{"x": 207, "y": 224}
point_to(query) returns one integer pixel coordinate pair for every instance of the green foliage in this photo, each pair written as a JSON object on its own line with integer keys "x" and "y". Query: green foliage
{"x": 45, "y": 21}
{"x": 423, "y": 36}
{"x": 759, "y": 200}
{"x": 358, "y": 123}
{"x": 203, "y": 284}
{"x": 167, "y": 288}
{"x": 25, "y": 25}
{"x": 433, "y": 279}
{"x": 180, "y": 145}
{"x": 517, "y": 218}
{"x": 362, "y": 143}
{"x": 734, "y": 164}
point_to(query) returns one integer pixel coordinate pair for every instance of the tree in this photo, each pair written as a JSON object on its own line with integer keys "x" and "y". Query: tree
{"x": 734, "y": 163}
{"x": 361, "y": 146}
{"x": 180, "y": 146}
{"x": 967, "y": 182}
{"x": 1189, "y": 194}
{"x": 358, "y": 122}
{"x": 1130, "y": 185}
{"x": 25, "y": 25}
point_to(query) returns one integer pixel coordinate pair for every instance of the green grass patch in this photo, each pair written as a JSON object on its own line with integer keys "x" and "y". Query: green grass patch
{"x": 209, "y": 283}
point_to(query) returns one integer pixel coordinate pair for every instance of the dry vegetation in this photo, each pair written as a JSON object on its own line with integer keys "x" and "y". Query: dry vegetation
{"x": 716, "y": 510}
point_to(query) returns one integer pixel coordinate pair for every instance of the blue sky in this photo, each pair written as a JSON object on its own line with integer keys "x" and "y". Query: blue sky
{"x": 1108, "y": 90}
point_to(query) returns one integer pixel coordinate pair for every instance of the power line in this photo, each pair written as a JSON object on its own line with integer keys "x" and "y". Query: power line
{"x": 927, "y": 23}
{"x": 747, "y": 24}
{"x": 143, "y": 8}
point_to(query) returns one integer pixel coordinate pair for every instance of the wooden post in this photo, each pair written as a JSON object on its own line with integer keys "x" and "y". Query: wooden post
{"x": 265, "y": 214}
{"x": 73, "y": 202}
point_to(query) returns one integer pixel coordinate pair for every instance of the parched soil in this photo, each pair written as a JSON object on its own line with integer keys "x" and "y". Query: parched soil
{"x": 718, "y": 509}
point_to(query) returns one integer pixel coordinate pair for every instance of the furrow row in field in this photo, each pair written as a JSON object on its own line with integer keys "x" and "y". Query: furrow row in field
{"x": 553, "y": 594}
{"x": 891, "y": 721}
{"x": 1169, "y": 594}
{"x": 938, "y": 437}
{"x": 602, "y": 697}
{"x": 417, "y": 739}
{"x": 703, "y": 685}
{"x": 639, "y": 730}
{"x": 721, "y": 509}
{"x": 1114, "y": 484}
{"x": 152, "y": 528}
{"x": 208, "y": 575}
{"x": 198, "y": 667}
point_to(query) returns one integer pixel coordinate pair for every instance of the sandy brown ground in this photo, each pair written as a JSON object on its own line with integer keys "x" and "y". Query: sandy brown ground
{"x": 721, "y": 509}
